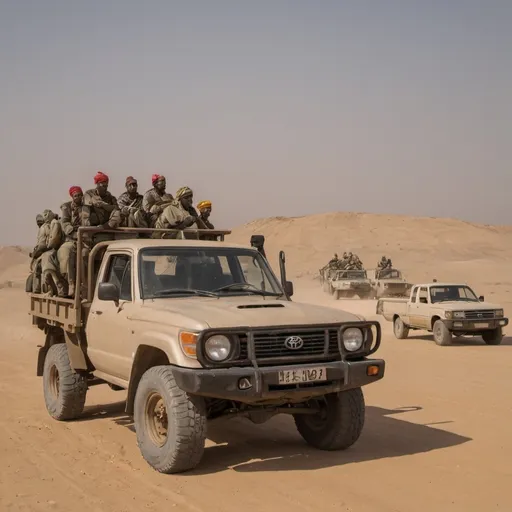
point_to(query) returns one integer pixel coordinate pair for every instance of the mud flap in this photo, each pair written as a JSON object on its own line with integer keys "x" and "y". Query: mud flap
{"x": 75, "y": 352}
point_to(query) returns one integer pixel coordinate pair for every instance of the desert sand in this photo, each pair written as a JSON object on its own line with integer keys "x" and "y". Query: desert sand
{"x": 437, "y": 432}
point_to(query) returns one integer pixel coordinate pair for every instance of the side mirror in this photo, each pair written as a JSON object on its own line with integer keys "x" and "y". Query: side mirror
{"x": 288, "y": 288}
{"x": 108, "y": 291}
{"x": 481, "y": 298}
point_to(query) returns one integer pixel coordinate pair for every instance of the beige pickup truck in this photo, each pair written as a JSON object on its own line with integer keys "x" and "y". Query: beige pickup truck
{"x": 445, "y": 309}
{"x": 196, "y": 330}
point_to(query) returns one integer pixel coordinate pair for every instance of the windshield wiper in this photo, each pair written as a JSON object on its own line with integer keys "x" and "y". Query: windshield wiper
{"x": 247, "y": 287}
{"x": 184, "y": 291}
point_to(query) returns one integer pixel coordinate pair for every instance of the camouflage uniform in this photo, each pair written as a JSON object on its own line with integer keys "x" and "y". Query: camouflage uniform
{"x": 71, "y": 220}
{"x": 101, "y": 211}
{"x": 133, "y": 216}
{"x": 48, "y": 242}
{"x": 153, "y": 203}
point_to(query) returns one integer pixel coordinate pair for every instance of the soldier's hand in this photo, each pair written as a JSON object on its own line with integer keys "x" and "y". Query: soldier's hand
{"x": 188, "y": 221}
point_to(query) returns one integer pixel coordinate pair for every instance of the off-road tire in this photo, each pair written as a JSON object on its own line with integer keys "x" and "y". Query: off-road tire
{"x": 64, "y": 389}
{"x": 182, "y": 446}
{"x": 400, "y": 329}
{"x": 341, "y": 424}
{"x": 493, "y": 337}
{"x": 442, "y": 336}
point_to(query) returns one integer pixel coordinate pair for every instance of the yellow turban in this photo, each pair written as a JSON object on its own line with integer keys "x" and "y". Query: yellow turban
{"x": 204, "y": 204}
{"x": 183, "y": 191}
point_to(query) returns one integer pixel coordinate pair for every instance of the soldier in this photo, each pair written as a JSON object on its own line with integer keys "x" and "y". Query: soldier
{"x": 334, "y": 261}
{"x": 156, "y": 199}
{"x": 101, "y": 207}
{"x": 205, "y": 210}
{"x": 130, "y": 203}
{"x": 180, "y": 214}
{"x": 49, "y": 240}
{"x": 71, "y": 220}
{"x": 39, "y": 220}
{"x": 382, "y": 263}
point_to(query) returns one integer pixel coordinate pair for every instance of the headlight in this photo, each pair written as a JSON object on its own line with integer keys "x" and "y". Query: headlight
{"x": 218, "y": 347}
{"x": 459, "y": 314}
{"x": 448, "y": 314}
{"x": 353, "y": 339}
{"x": 499, "y": 312}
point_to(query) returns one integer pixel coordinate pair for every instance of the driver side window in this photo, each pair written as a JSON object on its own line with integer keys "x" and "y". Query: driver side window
{"x": 120, "y": 274}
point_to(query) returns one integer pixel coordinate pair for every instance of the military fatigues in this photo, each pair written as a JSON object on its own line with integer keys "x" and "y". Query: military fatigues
{"x": 172, "y": 216}
{"x": 153, "y": 203}
{"x": 71, "y": 220}
{"x": 101, "y": 211}
{"x": 132, "y": 214}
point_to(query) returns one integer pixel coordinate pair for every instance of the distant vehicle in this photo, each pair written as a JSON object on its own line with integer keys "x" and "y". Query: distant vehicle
{"x": 347, "y": 283}
{"x": 388, "y": 282}
{"x": 445, "y": 309}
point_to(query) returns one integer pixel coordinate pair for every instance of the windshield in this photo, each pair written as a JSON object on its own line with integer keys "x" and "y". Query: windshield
{"x": 389, "y": 274}
{"x": 210, "y": 271}
{"x": 452, "y": 293}
{"x": 352, "y": 274}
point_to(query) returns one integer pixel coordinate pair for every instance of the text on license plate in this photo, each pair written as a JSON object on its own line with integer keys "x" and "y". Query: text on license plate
{"x": 481, "y": 325}
{"x": 302, "y": 375}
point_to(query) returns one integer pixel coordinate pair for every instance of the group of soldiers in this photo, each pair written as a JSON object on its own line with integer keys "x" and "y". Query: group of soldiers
{"x": 384, "y": 264}
{"x": 54, "y": 256}
{"x": 349, "y": 261}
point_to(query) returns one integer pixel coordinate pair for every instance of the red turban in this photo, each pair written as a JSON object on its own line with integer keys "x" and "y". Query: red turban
{"x": 100, "y": 178}
{"x": 130, "y": 179}
{"x": 155, "y": 178}
{"x": 74, "y": 189}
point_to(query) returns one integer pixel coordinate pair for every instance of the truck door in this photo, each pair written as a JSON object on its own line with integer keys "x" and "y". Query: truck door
{"x": 423, "y": 308}
{"x": 108, "y": 326}
{"x": 413, "y": 307}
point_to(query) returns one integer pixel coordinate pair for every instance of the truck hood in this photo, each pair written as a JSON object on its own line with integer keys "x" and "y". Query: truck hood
{"x": 242, "y": 311}
{"x": 458, "y": 305}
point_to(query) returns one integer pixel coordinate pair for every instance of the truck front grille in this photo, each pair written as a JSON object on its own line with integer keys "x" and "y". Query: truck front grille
{"x": 479, "y": 315}
{"x": 267, "y": 346}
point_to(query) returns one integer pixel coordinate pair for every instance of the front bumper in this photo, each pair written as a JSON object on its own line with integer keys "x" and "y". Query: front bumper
{"x": 224, "y": 383}
{"x": 486, "y": 324}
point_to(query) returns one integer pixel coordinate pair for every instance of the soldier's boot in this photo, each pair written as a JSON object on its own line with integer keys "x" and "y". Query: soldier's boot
{"x": 61, "y": 286}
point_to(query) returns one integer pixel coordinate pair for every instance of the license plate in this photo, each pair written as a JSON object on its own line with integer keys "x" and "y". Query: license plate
{"x": 481, "y": 325}
{"x": 303, "y": 375}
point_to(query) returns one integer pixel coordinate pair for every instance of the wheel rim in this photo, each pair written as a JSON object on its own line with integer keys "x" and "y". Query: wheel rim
{"x": 156, "y": 419}
{"x": 398, "y": 326}
{"x": 54, "y": 383}
{"x": 437, "y": 331}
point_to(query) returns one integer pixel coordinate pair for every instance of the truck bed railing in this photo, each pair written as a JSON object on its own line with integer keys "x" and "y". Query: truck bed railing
{"x": 56, "y": 311}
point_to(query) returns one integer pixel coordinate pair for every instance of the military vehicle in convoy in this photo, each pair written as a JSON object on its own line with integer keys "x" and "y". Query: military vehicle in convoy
{"x": 347, "y": 284}
{"x": 446, "y": 310}
{"x": 388, "y": 282}
{"x": 196, "y": 330}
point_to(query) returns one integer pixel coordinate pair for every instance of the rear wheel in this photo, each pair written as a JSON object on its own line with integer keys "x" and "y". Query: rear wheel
{"x": 338, "y": 424}
{"x": 64, "y": 389}
{"x": 170, "y": 424}
{"x": 493, "y": 337}
{"x": 442, "y": 336}
{"x": 400, "y": 329}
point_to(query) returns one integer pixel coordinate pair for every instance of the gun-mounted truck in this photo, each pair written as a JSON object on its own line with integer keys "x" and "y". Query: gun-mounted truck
{"x": 196, "y": 330}
{"x": 446, "y": 310}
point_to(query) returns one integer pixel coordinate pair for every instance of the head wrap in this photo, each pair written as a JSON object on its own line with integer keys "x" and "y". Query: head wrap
{"x": 130, "y": 180}
{"x": 74, "y": 189}
{"x": 204, "y": 204}
{"x": 100, "y": 178}
{"x": 155, "y": 178}
{"x": 183, "y": 191}
{"x": 48, "y": 215}
{"x": 39, "y": 218}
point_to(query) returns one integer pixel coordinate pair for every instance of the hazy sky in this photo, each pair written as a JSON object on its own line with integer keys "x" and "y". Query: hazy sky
{"x": 265, "y": 107}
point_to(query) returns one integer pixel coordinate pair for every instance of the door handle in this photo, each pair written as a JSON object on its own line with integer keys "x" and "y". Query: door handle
{"x": 98, "y": 312}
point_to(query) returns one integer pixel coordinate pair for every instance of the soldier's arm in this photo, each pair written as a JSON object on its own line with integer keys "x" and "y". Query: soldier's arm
{"x": 41, "y": 243}
{"x": 86, "y": 216}
{"x": 65, "y": 221}
{"x": 147, "y": 201}
{"x": 124, "y": 203}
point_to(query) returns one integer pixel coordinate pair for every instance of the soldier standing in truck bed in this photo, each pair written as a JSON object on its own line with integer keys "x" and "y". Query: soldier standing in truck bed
{"x": 156, "y": 199}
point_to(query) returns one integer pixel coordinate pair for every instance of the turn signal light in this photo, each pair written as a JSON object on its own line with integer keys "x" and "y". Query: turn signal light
{"x": 188, "y": 341}
{"x": 372, "y": 371}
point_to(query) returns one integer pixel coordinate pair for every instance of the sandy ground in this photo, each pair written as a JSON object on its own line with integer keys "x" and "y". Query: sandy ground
{"x": 437, "y": 432}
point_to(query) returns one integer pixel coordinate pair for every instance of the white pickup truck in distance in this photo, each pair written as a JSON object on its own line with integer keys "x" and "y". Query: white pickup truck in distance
{"x": 445, "y": 309}
{"x": 197, "y": 330}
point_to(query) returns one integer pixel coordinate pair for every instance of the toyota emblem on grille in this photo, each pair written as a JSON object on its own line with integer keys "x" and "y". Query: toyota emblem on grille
{"x": 480, "y": 315}
{"x": 293, "y": 342}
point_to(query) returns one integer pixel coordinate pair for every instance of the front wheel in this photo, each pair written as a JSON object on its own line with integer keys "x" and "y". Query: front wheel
{"x": 338, "y": 424}
{"x": 493, "y": 337}
{"x": 170, "y": 424}
{"x": 442, "y": 336}
{"x": 64, "y": 389}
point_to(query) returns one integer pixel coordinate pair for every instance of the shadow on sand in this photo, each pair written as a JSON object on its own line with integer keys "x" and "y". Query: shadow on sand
{"x": 276, "y": 445}
{"x": 462, "y": 341}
